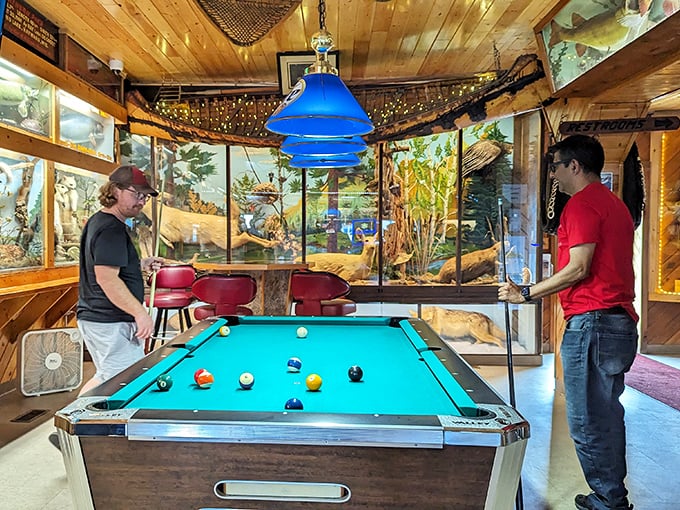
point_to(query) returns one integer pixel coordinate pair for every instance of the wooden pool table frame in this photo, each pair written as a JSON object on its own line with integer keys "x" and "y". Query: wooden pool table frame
{"x": 127, "y": 458}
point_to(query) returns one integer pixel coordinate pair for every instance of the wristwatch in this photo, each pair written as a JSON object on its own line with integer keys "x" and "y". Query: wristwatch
{"x": 526, "y": 293}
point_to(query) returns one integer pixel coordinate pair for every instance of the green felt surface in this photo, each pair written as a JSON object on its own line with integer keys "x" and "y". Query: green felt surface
{"x": 398, "y": 379}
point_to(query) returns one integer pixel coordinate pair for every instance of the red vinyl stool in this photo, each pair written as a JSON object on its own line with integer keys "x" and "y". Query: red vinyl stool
{"x": 173, "y": 292}
{"x": 320, "y": 293}
{"x": 223, "y": 294}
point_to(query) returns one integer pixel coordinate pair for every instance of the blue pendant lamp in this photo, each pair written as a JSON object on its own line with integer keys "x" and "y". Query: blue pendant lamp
{"x": 306, "y": 146}
{"x": 320, "y": 105}
{"x": 337, "y": 161}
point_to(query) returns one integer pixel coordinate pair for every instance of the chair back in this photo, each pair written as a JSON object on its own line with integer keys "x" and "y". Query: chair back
{"x": 317, "y": 286}
{"x": 320, "y": 293}
{"x": 226, "y": 293}
{"x": 175, "y": 277}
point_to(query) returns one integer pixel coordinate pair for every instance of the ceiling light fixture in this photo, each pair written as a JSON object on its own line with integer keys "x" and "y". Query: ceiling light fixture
{"x": 320, "y": 105}
{"x": 337, "y": 161}
{"x": 306, "y": 146}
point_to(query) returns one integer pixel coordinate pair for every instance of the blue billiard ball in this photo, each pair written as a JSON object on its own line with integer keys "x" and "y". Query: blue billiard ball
{"x": 246, "y": 380}
{"x": 355, "y": 373}
{"x": 294, "y": 365}
{"x": 294, "y": 403}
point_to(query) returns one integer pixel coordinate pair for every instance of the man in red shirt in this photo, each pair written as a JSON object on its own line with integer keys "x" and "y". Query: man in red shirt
{"x": 595, "y": 283}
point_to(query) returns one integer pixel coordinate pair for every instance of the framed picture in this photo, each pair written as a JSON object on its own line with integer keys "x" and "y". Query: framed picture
{"x": 607, "y": 179}
{"x": 292, "y": 65}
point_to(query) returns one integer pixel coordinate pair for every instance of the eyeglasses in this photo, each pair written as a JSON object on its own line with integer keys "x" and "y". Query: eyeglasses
{"x": 553, "y": 166}
{"x": 143, "y": 197}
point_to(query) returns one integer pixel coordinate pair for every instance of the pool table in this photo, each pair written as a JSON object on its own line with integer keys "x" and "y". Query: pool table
{"x": 421, "y": 430}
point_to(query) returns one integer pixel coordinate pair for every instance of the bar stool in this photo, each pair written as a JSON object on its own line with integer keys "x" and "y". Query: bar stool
{"x": 173, "y": 292}
{"x": 320, "y": 293}
{"x": 223, "y": 294}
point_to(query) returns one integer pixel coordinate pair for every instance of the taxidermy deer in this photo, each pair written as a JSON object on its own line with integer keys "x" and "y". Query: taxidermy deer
{"x": 204, "y": 229}
{"x": 459, "y": 324}
{"x": 349, "y": 266}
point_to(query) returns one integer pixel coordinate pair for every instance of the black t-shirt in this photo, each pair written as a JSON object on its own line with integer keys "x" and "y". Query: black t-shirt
{"x": 105, "y": 242}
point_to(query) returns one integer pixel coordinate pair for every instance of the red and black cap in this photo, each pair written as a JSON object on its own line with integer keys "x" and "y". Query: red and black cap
{"x": 131, "y": 176}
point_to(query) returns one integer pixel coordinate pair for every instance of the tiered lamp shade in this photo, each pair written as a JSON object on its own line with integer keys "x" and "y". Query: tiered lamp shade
{"x": 337, "y": 161}
{"x": 305, "y": 146}
{"x": 320, "y": 105}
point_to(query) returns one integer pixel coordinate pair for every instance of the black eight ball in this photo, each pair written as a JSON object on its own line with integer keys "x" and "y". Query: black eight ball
{"x": 355, "y": 373}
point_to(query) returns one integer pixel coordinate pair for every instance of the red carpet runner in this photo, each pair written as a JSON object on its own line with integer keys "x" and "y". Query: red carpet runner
{"x": 658, "y": 380}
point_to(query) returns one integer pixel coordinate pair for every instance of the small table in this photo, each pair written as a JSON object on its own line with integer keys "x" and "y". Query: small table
{"x": 421, "y": 430}
{"x": 273, "y": 283}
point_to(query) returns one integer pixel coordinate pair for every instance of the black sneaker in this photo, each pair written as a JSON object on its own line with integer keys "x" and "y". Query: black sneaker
{"x": 54, "y": 439}
{"x": 593, "y": 502}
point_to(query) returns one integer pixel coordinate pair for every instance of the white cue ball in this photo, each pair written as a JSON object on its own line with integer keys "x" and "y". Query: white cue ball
{"x": 302, "y": 332}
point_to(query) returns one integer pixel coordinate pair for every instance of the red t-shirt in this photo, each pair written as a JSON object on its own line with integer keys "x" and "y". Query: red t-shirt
{"x": 596, "y": 215}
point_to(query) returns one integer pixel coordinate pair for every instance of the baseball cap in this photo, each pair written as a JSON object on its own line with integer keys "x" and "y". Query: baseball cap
{"x": 131, "y": 176}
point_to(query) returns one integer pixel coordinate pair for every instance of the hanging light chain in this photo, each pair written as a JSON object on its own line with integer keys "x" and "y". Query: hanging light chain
{"x": 322, "y": 15}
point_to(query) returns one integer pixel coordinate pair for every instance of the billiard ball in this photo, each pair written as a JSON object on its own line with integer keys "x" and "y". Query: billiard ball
{"x": 246, "y": 380}
{"x": 313, "y": 382}
{"x": 164, "y": 382}
{"x": 301, "y": 332}
{"x": 355, "y": 373}
{"x": 203, "y": 378}
{"x": 293, "y": 403}
{"x": 294, "y": 365}
{"x": 224, "y": 330}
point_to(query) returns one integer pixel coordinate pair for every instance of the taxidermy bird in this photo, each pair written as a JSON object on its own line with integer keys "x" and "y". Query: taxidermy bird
{"x": 481, "y": 156}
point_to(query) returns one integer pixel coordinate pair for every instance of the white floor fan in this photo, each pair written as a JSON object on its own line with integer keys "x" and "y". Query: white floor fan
{"x": 50, "y": 360}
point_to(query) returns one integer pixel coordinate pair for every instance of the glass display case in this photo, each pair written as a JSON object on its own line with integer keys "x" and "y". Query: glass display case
{"x": 85, "y": 128}
{"x": 26, "y": 101}
{"x": 665, "y": 218}
{"x": 470, "y": 329}
{"x": 21, "y": 210}
{"x": 76, "y": 198}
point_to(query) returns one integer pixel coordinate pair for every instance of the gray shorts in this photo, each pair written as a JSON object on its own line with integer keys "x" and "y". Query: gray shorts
{"x": 112, "y": 345}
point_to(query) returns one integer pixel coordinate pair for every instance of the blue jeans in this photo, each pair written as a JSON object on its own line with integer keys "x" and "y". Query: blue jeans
{"x": 597, "y": 349}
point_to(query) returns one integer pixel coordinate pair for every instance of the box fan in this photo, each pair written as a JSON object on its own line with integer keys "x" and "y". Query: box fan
{"x": 50, "y": 360}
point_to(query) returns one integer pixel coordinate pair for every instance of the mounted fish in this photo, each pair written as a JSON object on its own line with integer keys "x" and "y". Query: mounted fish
{"x": 80, "y": 129}
{"x": 601, "y": 32}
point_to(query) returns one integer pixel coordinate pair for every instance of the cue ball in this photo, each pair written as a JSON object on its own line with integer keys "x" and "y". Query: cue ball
{"x": 293, "y": 403}
{"x": 302, "y": 332}
{"x": 203, "y": 378}
{"x": 246, "y": 380}
{"x": 313, "y": 382}
{"x": 355, "y": 373}
{"x": 164, "y": 382}
{"x": 294, "y": 365}
{"x": 224, "y": 330}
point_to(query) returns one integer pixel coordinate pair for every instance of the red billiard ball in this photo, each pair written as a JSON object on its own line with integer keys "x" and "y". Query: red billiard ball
{"x": 355, "y": 373}
{"x": 203, "y": 378}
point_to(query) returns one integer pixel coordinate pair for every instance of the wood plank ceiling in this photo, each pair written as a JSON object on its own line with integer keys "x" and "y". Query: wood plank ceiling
{"x": 166, "y": 42}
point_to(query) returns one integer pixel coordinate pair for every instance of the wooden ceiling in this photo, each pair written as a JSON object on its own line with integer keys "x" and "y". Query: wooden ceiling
{"x": 165, "y": 42}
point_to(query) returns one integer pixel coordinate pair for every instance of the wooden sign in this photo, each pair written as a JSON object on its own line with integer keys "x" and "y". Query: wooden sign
{"x": 31, "y": 29}
{"x": 615, "y": 126}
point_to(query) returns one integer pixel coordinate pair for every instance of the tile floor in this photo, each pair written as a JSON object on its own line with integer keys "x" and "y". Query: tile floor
{"x": 32, "y": 474}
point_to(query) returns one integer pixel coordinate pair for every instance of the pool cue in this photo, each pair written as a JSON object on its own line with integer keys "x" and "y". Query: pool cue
{"x": 156, "y": 248}
{"x": 519, "y": 500}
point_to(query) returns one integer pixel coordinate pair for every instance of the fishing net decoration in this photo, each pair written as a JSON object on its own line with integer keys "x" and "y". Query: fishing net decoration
{"x": 245, "y": 22}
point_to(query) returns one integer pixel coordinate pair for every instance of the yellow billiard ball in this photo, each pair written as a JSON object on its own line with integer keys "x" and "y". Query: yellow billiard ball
{"x": 302, "y": 332}
{"x": 224, "y": 330}
{"x": 313, "y": 382}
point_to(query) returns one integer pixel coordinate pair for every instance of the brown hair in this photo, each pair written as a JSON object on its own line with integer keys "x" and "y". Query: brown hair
{"x": 106, "y": 196}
